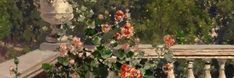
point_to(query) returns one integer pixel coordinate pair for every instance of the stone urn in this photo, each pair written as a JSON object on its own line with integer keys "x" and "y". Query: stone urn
{"x": 55, "y": 12}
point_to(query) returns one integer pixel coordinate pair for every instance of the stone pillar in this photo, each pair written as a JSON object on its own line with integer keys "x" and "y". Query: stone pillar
{"x": 190, "y": 69}
{"x": 169, "y": 70}
{"x": 207, "y": 69}
{"x": 222, "y": 68}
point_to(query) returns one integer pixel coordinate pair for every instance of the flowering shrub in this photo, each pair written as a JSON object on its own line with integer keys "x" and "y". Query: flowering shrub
{"x": 110, "y": 47}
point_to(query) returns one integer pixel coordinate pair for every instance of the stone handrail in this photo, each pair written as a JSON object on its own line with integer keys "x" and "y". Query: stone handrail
{"x": 32, "y": 67}
{"x": 29, "y": 64}
{"x": 194, "y": 51}
{"x": 191, "y": 52}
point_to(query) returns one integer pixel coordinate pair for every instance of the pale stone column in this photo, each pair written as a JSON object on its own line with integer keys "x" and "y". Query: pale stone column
{"x": 190, "y": 69}
{"x": 222, "y": 68}
{"x": 170, "y": 71}
{"x": 207, "y": 69}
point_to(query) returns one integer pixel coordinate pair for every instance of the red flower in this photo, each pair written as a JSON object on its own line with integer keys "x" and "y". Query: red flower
{"x": 126, "y": 71}
{"x": 119, "y": 15}
{"x": 134, "y": 73}
{"x": 139, "y": 74}
{"x": 127, "y": 30}
{"x": 169, "y": 41}
{"x": 123, "y": 71}
{"x": 125, "y": 46}
{"x": 76, "y": 42}
{"x": 118, "y": 36}
{"x": 105, "y": 28}
{"x": 63, "y": 49}
{"x": 167, "y": 67}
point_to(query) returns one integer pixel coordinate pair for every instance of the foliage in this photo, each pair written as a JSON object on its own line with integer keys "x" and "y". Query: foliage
{"x": 5, "y": 24}
{"x": 20, "y": 21}
{"x": 186, "y": 19}
{"x": 116, "y": 53}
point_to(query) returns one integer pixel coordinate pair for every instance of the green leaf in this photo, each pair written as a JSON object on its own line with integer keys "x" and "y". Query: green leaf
{"x": 101, "y": 47}
{"x": 96, "y": 40}
{"x": 148, "y": 76}
{"x": 114, "y": 43}
{"x": 121, "y": 54}
{"x": 46, "y": 66}
{"x": 106, "y": 53}
{"x": 16, "y": 60}
{"x": 94, "y": 63}
{"x": 168, "y": 56}
{"x": 62, "y": 61}
{"x": 101, "y": 71}
{"x": 130, "y": 54}
{"x": 96, "y": 54}
{"x": 90, "y": 32}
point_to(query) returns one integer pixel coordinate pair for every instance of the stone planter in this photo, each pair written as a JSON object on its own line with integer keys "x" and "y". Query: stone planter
{"x": 55, "y": 12}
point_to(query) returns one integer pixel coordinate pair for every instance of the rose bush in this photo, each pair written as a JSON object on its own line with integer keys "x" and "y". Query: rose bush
{"x": 96, "y": 54}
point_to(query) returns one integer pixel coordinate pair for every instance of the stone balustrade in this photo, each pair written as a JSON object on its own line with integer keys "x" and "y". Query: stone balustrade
{"x": 191, "y": 52}
{"x": 30, "y": 63}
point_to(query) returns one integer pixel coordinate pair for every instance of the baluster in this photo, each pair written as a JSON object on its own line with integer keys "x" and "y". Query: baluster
{"x": 190, "y": 70}
{"x": 207, "y": 69}
{"x": 170, "y": 71}
{"x": 222, "y": 68}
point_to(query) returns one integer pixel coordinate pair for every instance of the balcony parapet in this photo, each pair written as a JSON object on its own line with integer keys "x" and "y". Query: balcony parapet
{"x": 30, "y": 63}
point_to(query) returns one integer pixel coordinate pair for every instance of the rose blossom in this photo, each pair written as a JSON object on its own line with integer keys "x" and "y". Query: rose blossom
{"x": 76, "y": 42}
{"x": 119, "y": 15}
{"x": 118, "y": 36}
{"x": 125, "y": 46}
{"x": 127, "y": 30}
{"x": 127, "y": 71}
{"x": 63, "y": 49}
{"x": 105, "y": 28}
{"x": 123, "y": 70}
{"x": 134, "y": 73}
{"x": 167, "y": 68}
{"x": 169, "y": 41}
{"x": 72, "y": 61}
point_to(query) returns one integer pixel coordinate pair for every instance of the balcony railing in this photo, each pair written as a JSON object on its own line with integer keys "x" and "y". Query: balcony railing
{"x": 30, "y": 63}
{"x": 191, "y": 52}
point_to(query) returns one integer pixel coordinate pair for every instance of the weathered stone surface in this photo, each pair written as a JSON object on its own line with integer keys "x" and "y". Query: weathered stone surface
{"x": 49, "y": 46}
{"x": 195, "y": 51}
{"x": 29, "y": 64}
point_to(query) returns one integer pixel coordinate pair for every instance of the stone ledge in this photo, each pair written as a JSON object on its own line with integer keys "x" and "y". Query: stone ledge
{"x": 29, "y": 64}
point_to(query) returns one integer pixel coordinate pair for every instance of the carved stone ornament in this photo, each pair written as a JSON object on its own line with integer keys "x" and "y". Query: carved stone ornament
{"x": 55, "y": 12}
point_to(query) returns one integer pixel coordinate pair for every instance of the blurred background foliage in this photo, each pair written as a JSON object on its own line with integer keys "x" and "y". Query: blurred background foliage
{"x": 186, "y": 20}
{"x": 189, "y": 21}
